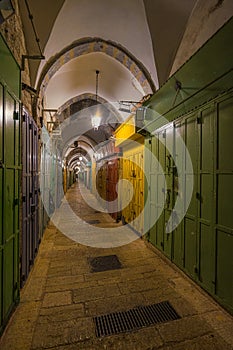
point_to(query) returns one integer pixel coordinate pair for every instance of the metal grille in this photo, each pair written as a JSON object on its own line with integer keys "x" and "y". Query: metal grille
{"x": 92, "y": 222}
{"x": 104, "y": 263}
{"x": 126, "y": 321}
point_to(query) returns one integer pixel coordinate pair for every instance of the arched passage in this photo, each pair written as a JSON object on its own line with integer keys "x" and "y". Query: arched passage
{"x": 91, "y": 45}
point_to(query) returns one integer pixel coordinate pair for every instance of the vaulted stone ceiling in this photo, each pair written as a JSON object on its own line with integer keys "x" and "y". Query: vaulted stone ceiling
{"x": 135, "y": 44}
{"x": 150, "y": 30}
{"x": 131, "y": 42}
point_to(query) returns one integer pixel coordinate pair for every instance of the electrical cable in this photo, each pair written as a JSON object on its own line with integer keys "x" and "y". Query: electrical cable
{"x": 33, "y": 26}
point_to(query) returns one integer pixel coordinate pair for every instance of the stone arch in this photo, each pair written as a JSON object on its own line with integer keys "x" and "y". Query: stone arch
{"x": 91, "y": 45}
{"x": 90, "y": 96}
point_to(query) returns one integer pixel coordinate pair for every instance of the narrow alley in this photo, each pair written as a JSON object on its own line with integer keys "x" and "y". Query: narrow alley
{"x": 116, "y": 175}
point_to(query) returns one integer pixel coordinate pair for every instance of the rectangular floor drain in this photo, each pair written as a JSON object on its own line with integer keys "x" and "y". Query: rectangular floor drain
{"x": 132, "y": 319}
{"x": 93, "y": 222}
{"x": 104, "y": 263}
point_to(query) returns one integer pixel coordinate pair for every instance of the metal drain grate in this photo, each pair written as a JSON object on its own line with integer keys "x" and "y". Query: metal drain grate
{"x": 92, "y": 222}
{"x": 142, "y": 316}
{"x": 104, "y": 263}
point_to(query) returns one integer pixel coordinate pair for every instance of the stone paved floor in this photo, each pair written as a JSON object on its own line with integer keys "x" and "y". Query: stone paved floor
{"x": 62, "y": 295}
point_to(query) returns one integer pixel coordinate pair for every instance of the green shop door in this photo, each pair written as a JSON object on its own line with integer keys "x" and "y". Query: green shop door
{"x": 205, "y": 199}
{"x": 169, "y": 200}
{"x": 190, "y": 220}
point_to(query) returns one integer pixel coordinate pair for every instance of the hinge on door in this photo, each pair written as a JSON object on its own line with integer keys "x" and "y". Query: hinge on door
{"x": 16, "y": 115}
{"x": 1, "y": 164}
{"x": 30, "y": 126}
{"x": 149, "y": 142}
{"x": 24, "y": 117}
{"x": 199, "y": 119}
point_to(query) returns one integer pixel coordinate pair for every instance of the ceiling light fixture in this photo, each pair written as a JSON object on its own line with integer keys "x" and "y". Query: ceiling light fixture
{"x": 96, "y": 119}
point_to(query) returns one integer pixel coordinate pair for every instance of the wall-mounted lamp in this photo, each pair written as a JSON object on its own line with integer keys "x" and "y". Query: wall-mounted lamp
{"x": 127, "y": 106}
{"x": 96, "y": 119}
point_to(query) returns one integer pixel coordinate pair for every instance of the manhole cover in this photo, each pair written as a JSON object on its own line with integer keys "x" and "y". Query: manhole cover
{"x": 92, "y": 222}
{"x": 104, "y": 263}
{"x": 132, "y": 319}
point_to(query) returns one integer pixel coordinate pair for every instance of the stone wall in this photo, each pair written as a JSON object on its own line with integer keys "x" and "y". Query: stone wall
{"x": 207, "y": 17}
{"x": 12, "y": 31}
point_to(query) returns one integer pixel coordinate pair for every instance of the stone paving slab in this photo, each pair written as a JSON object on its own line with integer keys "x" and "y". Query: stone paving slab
{"x": 62, "y": 296}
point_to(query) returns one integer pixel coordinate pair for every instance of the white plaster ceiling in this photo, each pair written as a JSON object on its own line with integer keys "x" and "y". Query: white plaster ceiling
{"x": 150, "y": 30}
{"x": 122, "y": 21}
{"x": 79, "y": 76}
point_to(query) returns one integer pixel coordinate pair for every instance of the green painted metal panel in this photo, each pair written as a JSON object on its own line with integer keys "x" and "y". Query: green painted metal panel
{"x": 169, "y": 177}
{"x": 190, "y": 138}
{"x": 1, "y": 123}
{"x": 1, "y": 208}
{"x": 225, "y": 127}
{"x": 161, "y": 149}
{"x": 17, "y": 135}
{"x": 200, "y": 82}
{"x": 8, "y": 209}
{"x": 151, "y": 171}
{"x": 9, "y": 131}
{"x": 203, "y": 242}
{"x": 10, "y": 157}
{"x": 161, "y": 187}
{"x": 1, "y": 278}
{"x": 224, "y": 286}
{"x": 207, "y": 257}
{"x": 179, "y": 157}
{"x": 206, "y": 127}
{"x": 167, "y": 236}
{"x": 161, "y": 193}
{"x": 225, "y": 196}
{"x": 178, "y": 245}
{"x": 160, "y": 231}
{"x": 206, "y": 201}
{"x": 1, "y": 241}
{"x": 147, "y": 191}
{"x": 8, "y": 277}
{"x": 16, "y": 268}
{"x": 9, "y": 71}
{"x": 16, "y": 200}
{"x": 190, "y": 262}
{"x": 190, "y": 221}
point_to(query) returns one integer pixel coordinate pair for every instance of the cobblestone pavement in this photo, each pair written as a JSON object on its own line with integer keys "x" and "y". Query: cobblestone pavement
{"x": 62, "y": 296}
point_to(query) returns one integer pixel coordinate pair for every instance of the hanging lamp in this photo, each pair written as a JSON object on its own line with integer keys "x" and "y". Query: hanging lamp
{"x": 96, "y": 119}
